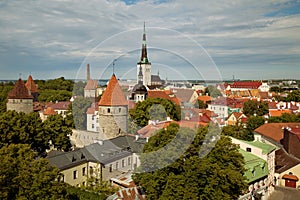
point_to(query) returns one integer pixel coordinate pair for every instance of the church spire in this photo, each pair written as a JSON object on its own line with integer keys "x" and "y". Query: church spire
{"x": 144, "y": 58}
{"x": 140, "y": 76}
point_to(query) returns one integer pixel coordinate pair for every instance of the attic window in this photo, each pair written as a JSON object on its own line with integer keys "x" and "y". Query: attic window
{"x": 73, "y": 159}
{"x": 248, "y": 149}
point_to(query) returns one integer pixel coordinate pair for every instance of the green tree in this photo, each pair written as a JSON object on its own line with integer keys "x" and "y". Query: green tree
{"x": 218, "y": 175}
{"x": 49, "y": 95}
{"x": 21, "y": 128}
{"x": 294, "y": 96}
{"x": 213, "y": 91}
{"x": 154, "y": 109}
{"x": 4, "y": 90}
{"x": 57, "y": 132}
{"x": 99, "y": 186}
{"x": 79, "y": 88}
{"x": 79, "y": 108}
{"x": 16, "y": 128}
{"x": 254, "y": 122}
{"x": 200, "y": 104}
{"x": 255, "y": 108}
{"x": 238, "y": 132}
{"x": 24, "y": 176}
{"x": 285, "y": 117}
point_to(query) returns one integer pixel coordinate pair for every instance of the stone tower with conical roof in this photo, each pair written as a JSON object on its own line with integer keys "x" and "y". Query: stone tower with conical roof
{"x": 144, "y": 63}
{"x": 19, "y": 98}
{"x": 113, "y": 110}
{"x": 32, "y": 88}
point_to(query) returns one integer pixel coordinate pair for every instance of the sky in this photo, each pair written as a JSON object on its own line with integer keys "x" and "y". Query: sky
{"x": 191, "y": 39}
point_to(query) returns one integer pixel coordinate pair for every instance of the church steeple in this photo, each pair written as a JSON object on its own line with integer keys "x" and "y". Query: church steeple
{"x": 140, "y": 76}
{"x": 144, "y": 58}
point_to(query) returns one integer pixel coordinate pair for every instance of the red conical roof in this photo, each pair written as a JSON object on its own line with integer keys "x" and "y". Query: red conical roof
{"x": 113, "y": 95}
{"x": 30, "y": 85}
{"x": 19, "y": 91}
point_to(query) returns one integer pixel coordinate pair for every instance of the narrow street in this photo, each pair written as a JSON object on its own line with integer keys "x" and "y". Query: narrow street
{"x": 285, "y": 193}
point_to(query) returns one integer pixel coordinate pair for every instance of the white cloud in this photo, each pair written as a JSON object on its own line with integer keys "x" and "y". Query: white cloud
{"x": 66, "y": 32}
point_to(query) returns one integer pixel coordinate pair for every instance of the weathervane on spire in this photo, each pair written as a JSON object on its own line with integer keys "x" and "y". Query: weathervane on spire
{"x": 114, "y": 65}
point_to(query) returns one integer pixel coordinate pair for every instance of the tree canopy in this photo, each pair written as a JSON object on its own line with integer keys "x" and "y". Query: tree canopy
{"x": 154, "y": 109}
{"x": 285, "y": 117}
{"x": 294, "y": 96}
{"x": 21, "y": 128}
{"x": 24, "y": 176}
{"x": 218, "y": 175}
{"x": 213, "y": 91}
{"x": 255, "y": 108}
{"x": 79, "y": 108}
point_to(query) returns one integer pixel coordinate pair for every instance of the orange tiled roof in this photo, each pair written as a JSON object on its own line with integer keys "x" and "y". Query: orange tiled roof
{"x": 290, "y": 177}
{"x": 163, "y": 94}
{"x": 19, "y": 91}
{"x": 278, "y": 113}
{"x": 49, "y": 111}
{"x": 204, "y": 98}
{"x": 113, "y": 95}
{"x": 30, "y": 85}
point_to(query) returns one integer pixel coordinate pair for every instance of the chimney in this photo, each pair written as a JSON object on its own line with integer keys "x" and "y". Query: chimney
{"x": 88, "y": 74}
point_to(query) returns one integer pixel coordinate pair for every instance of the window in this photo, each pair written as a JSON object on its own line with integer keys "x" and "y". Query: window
{"x": 108, "y": 110}
{"x": 93, "y": 126}
{"x": 117, "y": 165}
{"x": 123, "y": 163}
{"x": 129, "y": 161}
{"x": 83, "y": 171}
{"x": 75, "y": 174}
{"x": 120, "y": 110}
{"x": 248, "y": 149}
{"x": 93, "y": 117}
{"x": 110, "y": 167}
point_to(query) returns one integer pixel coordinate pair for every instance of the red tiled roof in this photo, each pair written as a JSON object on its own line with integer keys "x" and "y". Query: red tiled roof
{"x": 49, "y": 111}
{"x": 272, "y": 105}
{"x": 30, "y": 85}
{"x": 274, "y": 130}
{"x": 113, "y": 95}
{"x": 295, "y": 130}
{"x": 19, "y": 91}
{"x": 91, "y": 110}
{"x": 246, "y": 84}
{"x": 62, "y": 105}
{"x": 208, "y": 112}
{"x": 91, "y": 84}
{"x": 230, "y": 102}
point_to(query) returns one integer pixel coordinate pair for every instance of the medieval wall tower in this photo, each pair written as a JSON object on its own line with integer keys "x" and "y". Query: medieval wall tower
{"x": 19, "y": 98}
{"x": 113, "y": 110}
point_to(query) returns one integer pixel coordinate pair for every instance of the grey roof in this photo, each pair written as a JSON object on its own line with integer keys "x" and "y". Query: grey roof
{"x": 70, "y": 159}
{"x": 183, "y": 94}
{"x": 155, "y": 78}
{"x": 103, "y": 152}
